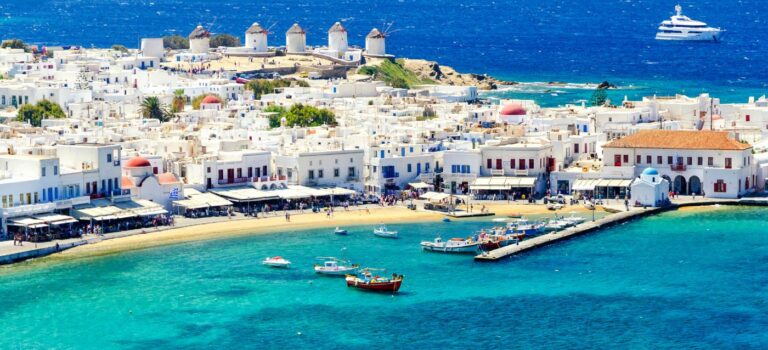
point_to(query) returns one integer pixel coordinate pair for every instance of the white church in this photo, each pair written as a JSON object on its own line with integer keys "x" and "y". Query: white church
{"x": 650, "y": 189}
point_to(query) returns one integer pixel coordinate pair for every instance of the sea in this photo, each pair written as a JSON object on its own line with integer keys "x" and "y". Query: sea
{"x": 679, "y": 280}
{"x": 579, "y": 42}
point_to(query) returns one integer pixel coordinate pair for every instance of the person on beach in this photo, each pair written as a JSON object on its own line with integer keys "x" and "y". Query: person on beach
{"x": 287, "y": 216}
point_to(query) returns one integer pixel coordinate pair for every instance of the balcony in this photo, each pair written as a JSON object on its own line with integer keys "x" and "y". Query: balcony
{"x": 677, "y": 167}
{"x": 497, "y": 172}
{"x": 521, "y": 172}
{"x": 233, "y": 180}
{"x": 391, "y": 175}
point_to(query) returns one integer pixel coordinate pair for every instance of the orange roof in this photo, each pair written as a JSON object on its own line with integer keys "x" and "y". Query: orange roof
{"x": 679, "y": 139}
{"x": 210, "y": 99}
{"x": 137, "y": 162}
{"x": 126, "y": 182}
{"x": 166, "y": 178}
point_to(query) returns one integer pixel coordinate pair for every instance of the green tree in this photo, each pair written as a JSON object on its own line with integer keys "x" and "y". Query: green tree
{"x": 152, "y": 108}
{"x": 179, "y": 101}
{"x": 267, "y": 86}
{"x": 175, "y": 42}
{"x": 14, "y": 44}
{"x": 35, "y": 114}
{"x": 225, "y": 40}
{"x": 599, "y": 97}
{"x": 120, "y": 48}
{"x": 301, "y": 115}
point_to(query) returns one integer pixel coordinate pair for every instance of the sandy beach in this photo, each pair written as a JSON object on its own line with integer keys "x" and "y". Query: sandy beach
{"x": 276, "y": 224}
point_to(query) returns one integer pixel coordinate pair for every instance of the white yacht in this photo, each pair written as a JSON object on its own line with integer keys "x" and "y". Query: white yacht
{"x": 680, "y": 27}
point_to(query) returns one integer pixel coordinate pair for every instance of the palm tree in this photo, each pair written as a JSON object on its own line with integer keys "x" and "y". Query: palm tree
{"x": 179, "y": 101}
{"x": 151, "y": 107}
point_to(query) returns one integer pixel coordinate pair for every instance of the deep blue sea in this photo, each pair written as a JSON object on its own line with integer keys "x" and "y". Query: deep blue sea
{"x": 680, "y": 280}
{"x": 576, "y": 41}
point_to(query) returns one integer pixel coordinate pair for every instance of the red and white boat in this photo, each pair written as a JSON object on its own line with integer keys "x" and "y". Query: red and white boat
{"x": 368, "y": 282}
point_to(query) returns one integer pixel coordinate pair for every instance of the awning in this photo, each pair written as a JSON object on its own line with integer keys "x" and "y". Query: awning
{"x": 28, "y": 222}
{"x": 434, "y": 196}
{"x": 614, "y": 183}
{"x": 244, "y": 194}
{"x": 419, "y": 185}
{"x": 584, "y": 184}
{"x": 56, "y": 219}
{"x": 502, "y": 183}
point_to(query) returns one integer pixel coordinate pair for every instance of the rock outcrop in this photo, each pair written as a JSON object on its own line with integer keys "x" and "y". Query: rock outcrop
{"x": 449, "y": 76}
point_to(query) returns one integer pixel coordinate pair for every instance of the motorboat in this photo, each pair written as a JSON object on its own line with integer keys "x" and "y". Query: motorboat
{"x": 683, "y": 28}
{"x": 368, "y": 282}
{"x": 574, "y": 220}
{"x": 524, "y": 226}
{"x": 453, "y": 245}
{"x": 276, "y": 261}
{"x": 382, "y": 231}
{"x": 492, "y": 242}
{"x": 556, "y": 225}
{"x": 340, "y": 231}
{"x": 336, "y": 267}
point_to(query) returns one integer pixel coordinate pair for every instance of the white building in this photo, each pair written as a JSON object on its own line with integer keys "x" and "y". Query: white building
{"x": 152, "y": 47}
{"x": 256, "y": 38}
{"x": 650, "y": 189}
{"x": 199, "y": 40}
{"x": 332, "y": 168}
{"x": 694, "y": 162}
{"x": 296, "y": 39}
{"x": 337, "y": 39}
{"x": 375, "y": 43}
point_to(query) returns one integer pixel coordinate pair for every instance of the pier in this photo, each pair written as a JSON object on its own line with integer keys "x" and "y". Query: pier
{"x": 619, "y": 215}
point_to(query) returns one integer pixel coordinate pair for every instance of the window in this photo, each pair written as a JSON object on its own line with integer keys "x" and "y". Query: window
{"x": 638, "y": 159}
{"x": 747, "y": 117}
{"x": 320, "y": 174}
{"x": 689, "y": 161}
{"x": 669, "y": 160}
{"x": 42, "y": 171}
{"x": 521, "y": 163}
{"x": 489, "y": 164}
{"x": 221, "y": 174}
{"x": 55, "y": 170}
{"x": 109, "y": 157}
{"x": 728, "y": 164}
{"x": 336, "y": 172}
{"x": 626, "y": 158}
{"x": 700, "y": 161}
{"x": 710, "y": 161}
{"x": 209, "y": 170}
{"x": 498, "y": 164}
{"x": 409, "y": 167}
{"x": 512, "y": 163}
{"x": 720, "y": 186}
{"x": 575, "y": 148}
{"x": 311, "y": 174}
{"x": 659, "y": 160}
{"x": 530, "y": 164}
{"x": 648, "y": 159}
{"x": 351, "y": 172}
{"x": 239, "y": 172}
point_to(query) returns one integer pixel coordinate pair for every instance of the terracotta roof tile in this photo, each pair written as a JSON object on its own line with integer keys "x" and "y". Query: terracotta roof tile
{"x": 679, "y": 139}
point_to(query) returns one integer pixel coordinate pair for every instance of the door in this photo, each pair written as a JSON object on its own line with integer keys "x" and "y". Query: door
{"x": 617, "y": 160}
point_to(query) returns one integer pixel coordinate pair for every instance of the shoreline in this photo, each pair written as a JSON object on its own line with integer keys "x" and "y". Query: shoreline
{"x": 243, "y": 227}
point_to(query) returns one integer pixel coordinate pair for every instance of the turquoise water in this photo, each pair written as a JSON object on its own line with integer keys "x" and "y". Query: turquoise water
{"x": 674, "y": 281}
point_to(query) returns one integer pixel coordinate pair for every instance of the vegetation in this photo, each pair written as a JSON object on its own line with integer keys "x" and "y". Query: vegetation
{"x": 225, "y": 40}
{"x": 152, "y": 108}
{"x": 599, "y": 97}
{"x": 35, "y": 114}
{"x": 175, "y": 42}
{"x": 199, "y": 99}
{"x": 14, "y": 44}
{"x": 394, "y": 74}
{"x": 267, "y": 86}
{"x": 300, "y": 115}
{"x": 179, "y": 101}
{"x": 120, "y": 48}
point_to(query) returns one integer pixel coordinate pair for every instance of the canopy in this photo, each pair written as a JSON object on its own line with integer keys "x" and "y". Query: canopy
{"x": 28, "y": 222}
{"x": 502, "y": 183}
{"x": 244, "y": 194}
{"x": 434, "y": 196}
{"x": 419, "y": 185}
{"x": 202, "y": 200}
{"x": 584, "y": 184}
{"x": 56, "y": 219}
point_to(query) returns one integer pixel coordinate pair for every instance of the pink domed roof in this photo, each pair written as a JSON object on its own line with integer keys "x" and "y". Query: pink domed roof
{"x": 137, "y": 162}
{"x": 126, "y": 183}
{"x": 210, "y": 99}
{"x": 514, "y": 108}
{"x": 167, "y": 178}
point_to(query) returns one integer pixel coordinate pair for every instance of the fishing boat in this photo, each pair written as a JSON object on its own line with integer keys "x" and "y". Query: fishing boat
{"x": 368, "y": 282}
{"x": 340, "y": 231}
{"x": 556, "y": 225}
{"x": 493, "y": 242}
{"x": 453, "y": 245}
{"x": 524, "y": 226}
{"x": 382, "y": 231}
{"x": 276, "y": 261}
{"x": 335, "y": 267}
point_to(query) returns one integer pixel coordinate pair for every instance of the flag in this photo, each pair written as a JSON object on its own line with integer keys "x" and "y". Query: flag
{"x": 174, "y": 193}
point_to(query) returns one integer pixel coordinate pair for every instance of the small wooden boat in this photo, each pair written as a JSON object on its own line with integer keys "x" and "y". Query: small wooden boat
{"x": 336, "y": 267}
{"x": 340, "y": 231}
{"x": 382, "y": 231}
{"x": 276, "y": 261}
{"x": 366, "y": 281}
